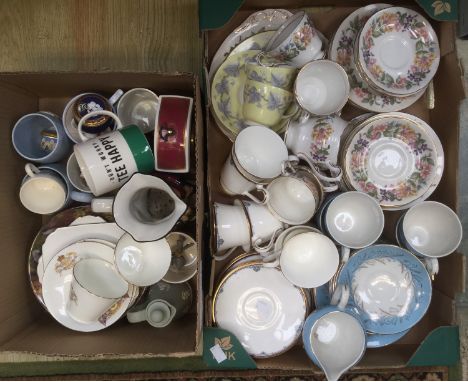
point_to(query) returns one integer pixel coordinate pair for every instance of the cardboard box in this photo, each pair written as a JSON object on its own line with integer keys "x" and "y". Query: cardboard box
{"x": 26, "y": 329}
{"x": 435, "y": 337}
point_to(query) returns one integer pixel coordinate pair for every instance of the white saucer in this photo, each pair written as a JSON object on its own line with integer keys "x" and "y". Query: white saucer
{"x": 57, "y": 280}
{"x": 261, "y": 308}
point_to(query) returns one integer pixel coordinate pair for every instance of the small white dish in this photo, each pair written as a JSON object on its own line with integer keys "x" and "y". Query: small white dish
{"x": 58, "y": 278}
{"x": 88, "y": 219}
{"x": 142, "y": 263}
{"x": 184, "y": 261}
{"x": 261, "y": 308}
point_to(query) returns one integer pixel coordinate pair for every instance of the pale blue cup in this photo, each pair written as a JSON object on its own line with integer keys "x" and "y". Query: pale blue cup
{"x": 59, "y": 172}
{"x": 27, "y": 137}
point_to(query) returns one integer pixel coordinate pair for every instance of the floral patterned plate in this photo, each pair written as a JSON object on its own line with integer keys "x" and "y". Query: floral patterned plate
{"x": 398, "y": 51}
{"x": 342, "y": 51}
{"x": 262, "y": 21}
{"x": 57, "y": 280}
{"x": 390, "y": 288}
{"x": 395, "y": 158}
{"x": 227, "y": 93}
{"x": 261, "y": 308}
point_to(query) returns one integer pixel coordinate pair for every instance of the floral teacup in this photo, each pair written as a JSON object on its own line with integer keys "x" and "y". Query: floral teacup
{"x": 265, "y": 104}
{"x": 317, "y": 137}
{"x": 296, "y": 41}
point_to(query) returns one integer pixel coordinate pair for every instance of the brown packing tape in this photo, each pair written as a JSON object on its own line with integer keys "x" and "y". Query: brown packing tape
{"x": 27, "y": 332}
{"x": 443, "y": 118}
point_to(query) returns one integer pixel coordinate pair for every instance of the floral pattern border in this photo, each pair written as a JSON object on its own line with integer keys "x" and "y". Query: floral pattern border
{"x": 418, "y": 180}
{"x": 424, "y": 59}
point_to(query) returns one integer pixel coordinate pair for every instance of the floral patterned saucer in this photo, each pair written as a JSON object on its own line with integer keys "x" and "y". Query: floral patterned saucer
{"x": 227, "y": 93}
{"x": 57, "y": 280}
{"x": 261, "y": 21}
{"x": 342, "y": 51}
{"x": 390, "y": 288}
{"x": 398, "y": 51}
{"x": 261, "y": 308}
{"x": 395, "y": 158}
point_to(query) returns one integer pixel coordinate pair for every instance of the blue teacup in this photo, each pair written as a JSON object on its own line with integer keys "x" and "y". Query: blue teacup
{"x": 28, "y": 138}
{"x": 46, "y": 189}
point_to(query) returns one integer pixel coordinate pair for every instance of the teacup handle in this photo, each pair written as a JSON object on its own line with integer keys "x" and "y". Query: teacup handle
{"x": 31, "y": 170}
{"x": 102, "y": 205}
{"x": 273, "y": 264}
{"x": 260, "y": 188}
{"x": 225, "y": 255}
{"x": 116, "y": 96}
{"x": 432, "y": 266}
{"x": 340, "y": 296}
{"x": 345, "y": 252}
{"x": 267, "y": 248}
{"x": 336, "y": 178}
{"x": 83, "y": 137}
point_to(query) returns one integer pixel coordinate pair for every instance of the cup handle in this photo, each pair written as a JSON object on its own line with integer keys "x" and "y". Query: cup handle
{"x": 267, "y": 248}
{"x": 345, "y": 252}
{"x": 225, "y": 255}
{"x": 260, "y": 188}
{"x": 273, "y": 264}
{"x": 333, "y": 179}
{"x": 137, "y": 313}
{"x": 288, "y": 167}
{"x": 81, "y": 197}
{"x": 102, "y": 205}
{"x": 31, "y": 170}
{"x": 340, "y": 296}
{"x": 432, "y": 266}
{"x": 116, "y": 96}
{"x": 83, "y": 137}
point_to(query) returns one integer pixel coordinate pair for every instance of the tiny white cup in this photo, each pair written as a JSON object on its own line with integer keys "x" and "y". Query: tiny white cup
{"x": 95, "y": 287}
{"x": 139, "y": 106}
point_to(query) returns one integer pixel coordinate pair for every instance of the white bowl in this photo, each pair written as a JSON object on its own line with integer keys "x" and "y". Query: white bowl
{"x": 309, "y": 259}
{"x": 354, "y": 219}
{"x": 322, "y": 87}
{"x": 432, "y": 229}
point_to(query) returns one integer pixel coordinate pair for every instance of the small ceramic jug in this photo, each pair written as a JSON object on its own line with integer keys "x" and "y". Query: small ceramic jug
{"x": 165, "y": 303}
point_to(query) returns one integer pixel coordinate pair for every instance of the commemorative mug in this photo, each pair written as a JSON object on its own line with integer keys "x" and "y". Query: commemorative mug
{"x": 40, "y": 137}
{"x": 108, "y": 161}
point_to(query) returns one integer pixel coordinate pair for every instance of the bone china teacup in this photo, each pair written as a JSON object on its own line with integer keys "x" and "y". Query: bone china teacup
{"x": 280, "y": 76}
{"x": 95, "y": 287}
{"x": 296, "y": 41}
{"x": 265, "y": 104}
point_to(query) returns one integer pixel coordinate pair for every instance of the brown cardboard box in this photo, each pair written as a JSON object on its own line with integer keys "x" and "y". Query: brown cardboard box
{"x": 25, "y": 327}
{"x": 327, "y": 16}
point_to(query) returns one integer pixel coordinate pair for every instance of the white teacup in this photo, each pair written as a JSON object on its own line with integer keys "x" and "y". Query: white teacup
{"x": 322, "y": 87}
{"x": 139, "y": 106}
{"x": 354, "y": 220}
{"x": 430, "y": 229}
{"x": 95, "y": 287}
{"x": 231, "y": 228}
{"x": 308, "y": 260}
{"x": 145, "y": 207}
{"x": 264, "y": 225}
{"x": 296, "y": 41}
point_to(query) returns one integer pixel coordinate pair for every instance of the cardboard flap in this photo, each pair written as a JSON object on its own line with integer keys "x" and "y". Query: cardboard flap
{"x": 222, "y": 350}
{"x": 441, "y": 347}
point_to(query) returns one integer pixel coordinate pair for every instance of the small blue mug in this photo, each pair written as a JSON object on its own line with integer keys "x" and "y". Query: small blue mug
{"x": 28, "y": 138}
